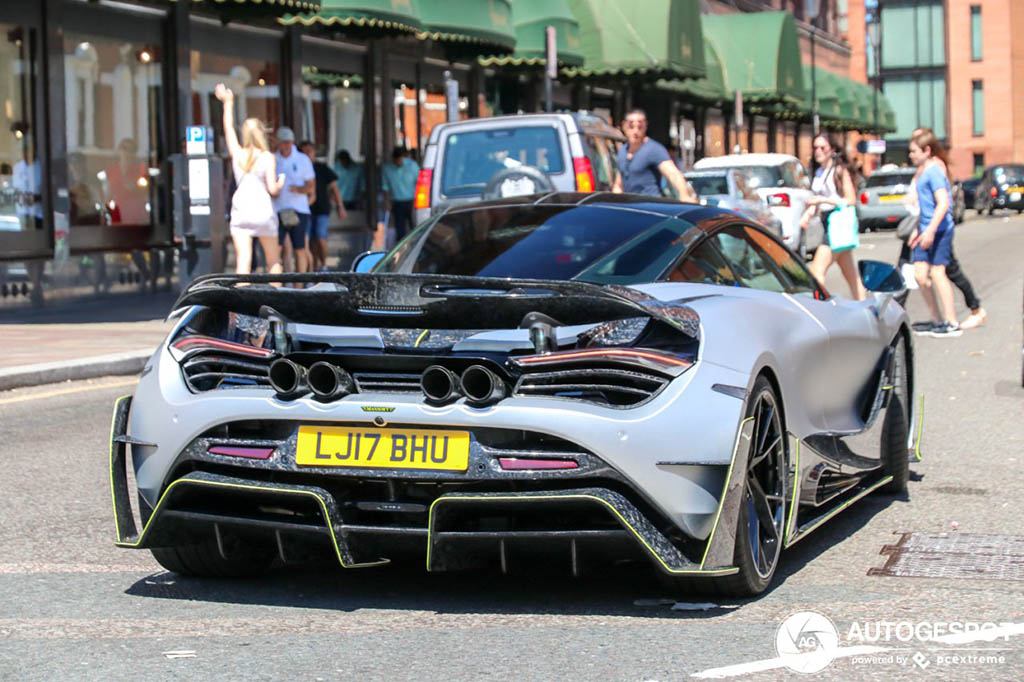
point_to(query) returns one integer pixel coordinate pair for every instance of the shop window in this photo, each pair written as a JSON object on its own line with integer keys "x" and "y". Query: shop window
{"x": 22, "y": 175}
{"x": 113, "y": 98}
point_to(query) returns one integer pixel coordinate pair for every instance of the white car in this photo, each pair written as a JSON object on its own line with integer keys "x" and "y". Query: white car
{"x": 780, "y": 179}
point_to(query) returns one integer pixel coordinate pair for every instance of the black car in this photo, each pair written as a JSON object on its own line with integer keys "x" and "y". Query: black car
{"x": 1001, "y": 187}
{"x": 970, "y": 186}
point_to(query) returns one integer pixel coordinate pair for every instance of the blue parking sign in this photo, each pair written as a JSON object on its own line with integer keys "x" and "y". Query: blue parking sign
{"x": 196, "y": 134}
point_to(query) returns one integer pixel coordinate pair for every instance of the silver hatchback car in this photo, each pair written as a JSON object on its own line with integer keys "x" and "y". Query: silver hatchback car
{"x": 504, "y": 156}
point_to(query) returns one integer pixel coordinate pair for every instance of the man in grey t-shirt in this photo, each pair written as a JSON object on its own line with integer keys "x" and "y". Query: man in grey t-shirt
{"x": 642, "y": 163}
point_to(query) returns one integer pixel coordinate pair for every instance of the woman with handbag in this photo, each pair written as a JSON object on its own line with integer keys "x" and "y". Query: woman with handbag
{"x": 256, "y": 180}
{"x": 834, "y": 199}
{"x": 933, "y": 244}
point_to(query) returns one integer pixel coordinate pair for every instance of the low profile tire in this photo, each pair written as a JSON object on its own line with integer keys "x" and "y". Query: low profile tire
{"x": 204, "y": 560}
{"x": 895, "y": 461}
{"x": 760, "y": 521}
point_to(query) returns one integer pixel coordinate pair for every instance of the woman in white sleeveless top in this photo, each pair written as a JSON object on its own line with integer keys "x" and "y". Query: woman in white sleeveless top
{"x": 256, "y": 181}
{"x": 832, "y": 187}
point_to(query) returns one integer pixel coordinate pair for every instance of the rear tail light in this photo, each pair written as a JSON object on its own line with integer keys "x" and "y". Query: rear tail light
{"x": 652, "y": 358}
{"x": 780, "y": 199}
{"x": 189, "y": 344}
{"x": 423, "y": 181}
{"x": 584, "y": 174}
{"x": 863, "y": 197}
{"x": 994, "y": 192}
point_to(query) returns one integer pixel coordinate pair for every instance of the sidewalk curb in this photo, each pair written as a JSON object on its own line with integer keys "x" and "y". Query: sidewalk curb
{"x": 130, "y": 362}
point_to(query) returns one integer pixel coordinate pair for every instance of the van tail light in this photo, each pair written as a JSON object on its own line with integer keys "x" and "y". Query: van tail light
{"x": 423, "y": 181}
{"x": 584, "y": 174}
{"x": 863, "y": 197}
{"x": 994, "y": 192}
{"x": 780, "y": 199}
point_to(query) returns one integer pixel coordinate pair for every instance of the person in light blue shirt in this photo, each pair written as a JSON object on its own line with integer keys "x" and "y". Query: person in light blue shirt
{"x": 398, "y": 182}
{"x": 351, "y": 181}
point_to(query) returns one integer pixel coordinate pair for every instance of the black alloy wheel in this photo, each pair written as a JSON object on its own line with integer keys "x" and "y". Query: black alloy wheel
{"x": 764, "y": 500}
{"x": 895, "y": 443}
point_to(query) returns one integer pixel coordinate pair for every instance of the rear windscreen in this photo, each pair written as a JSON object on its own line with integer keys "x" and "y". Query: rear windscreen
{"x": 470, "y": 159}
{"x": 708, "y": 185}
{"x": 1008, "y": 174}
{"x": 888, "y": 179}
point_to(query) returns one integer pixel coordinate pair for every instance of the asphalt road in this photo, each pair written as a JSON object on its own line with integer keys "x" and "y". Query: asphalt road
{"x": 72, "y": 606}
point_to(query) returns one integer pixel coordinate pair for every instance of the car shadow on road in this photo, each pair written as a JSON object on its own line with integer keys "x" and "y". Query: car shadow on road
{"x": 610, "y": 591}
{"x": 832, "y": 533}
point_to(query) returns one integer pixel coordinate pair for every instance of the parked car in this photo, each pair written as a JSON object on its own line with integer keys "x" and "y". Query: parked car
{"x": 469, "y": 160}
{"x": 1001, "y": 187}
{"x": 969, "y": 187}
{"x": 732, "y": 188}
{"x": 780, "y": 179}
{"x": 881, "y": 199}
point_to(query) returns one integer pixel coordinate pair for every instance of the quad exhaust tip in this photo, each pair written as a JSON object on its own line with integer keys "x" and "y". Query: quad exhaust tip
{"x": 288, "y": 379}
{"x": 440, "y": 385}
{"x": 482, "y": 386}
{"x": 329, "y": 382}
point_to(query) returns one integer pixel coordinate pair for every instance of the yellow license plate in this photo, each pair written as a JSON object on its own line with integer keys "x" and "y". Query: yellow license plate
{"x": 1015, "y": 189}
{"x": 891, "y": 197}
{"x": 336, "y": 446}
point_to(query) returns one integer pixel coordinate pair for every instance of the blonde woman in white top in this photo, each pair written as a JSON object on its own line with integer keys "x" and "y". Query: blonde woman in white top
{"x": 256, "y": 181}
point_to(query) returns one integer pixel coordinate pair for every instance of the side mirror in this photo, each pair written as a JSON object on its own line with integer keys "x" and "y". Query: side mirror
{"x": 366, "y": 261}
{"x": 881, "y": 277}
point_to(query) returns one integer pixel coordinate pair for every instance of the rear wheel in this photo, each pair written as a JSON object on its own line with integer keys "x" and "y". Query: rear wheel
{"x": 895, "y": 459}
{"x": 762, "y": 509}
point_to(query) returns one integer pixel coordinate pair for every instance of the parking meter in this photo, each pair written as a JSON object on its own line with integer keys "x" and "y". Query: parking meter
{"x": 200, "y": 221}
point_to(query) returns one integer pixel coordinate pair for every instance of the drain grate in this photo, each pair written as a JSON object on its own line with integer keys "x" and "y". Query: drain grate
{"x": 954, "y": 555}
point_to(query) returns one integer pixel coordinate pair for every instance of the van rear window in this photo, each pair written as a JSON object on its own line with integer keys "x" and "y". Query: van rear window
{"x": 470, "y": 159}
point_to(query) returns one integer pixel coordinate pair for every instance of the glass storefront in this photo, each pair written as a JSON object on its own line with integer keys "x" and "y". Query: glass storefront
{"x": 21, "y": 169}
{"x": 113, "y": 98}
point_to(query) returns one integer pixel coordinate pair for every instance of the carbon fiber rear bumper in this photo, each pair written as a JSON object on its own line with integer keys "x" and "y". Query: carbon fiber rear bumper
{"x": 280, "y": 509}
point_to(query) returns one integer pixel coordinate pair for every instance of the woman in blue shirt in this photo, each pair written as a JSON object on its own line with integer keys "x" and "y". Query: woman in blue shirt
{"x": 934, "y": 239}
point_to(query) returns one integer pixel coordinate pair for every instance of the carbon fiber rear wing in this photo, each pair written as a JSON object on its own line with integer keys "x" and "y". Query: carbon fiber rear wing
{"x": 429, "y": 301}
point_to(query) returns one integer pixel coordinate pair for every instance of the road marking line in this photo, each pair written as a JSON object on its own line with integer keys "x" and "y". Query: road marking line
{"x": 38, "y": 567}
{"x": 66, "y": 391}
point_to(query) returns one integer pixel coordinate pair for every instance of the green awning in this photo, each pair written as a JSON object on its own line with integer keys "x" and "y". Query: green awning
{"x": 760, "y": 55}
{"x": 486, "y": 24}
{"x": 530, "y": 18}
{"x": 829, "y": 92}
{"x": 710, "y": 88}
{"x": 650, "y": 37}
{"x": 397, "y": 16}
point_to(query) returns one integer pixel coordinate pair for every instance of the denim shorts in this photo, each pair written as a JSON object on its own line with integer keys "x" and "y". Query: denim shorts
{"x": 321, "y": 221}
{"x": 298, "y": 234}
{"x": 938, "y": 253}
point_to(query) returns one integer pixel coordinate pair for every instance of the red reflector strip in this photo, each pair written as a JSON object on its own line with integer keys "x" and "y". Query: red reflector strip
{"x": 237, "y": 451}
{"x": 518, "y": 464}
{"x": 610, "y": 353}
{"x": 199, "y": 342}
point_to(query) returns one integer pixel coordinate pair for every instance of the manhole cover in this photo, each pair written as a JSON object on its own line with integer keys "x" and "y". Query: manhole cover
{"x": 954, "y": 555}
